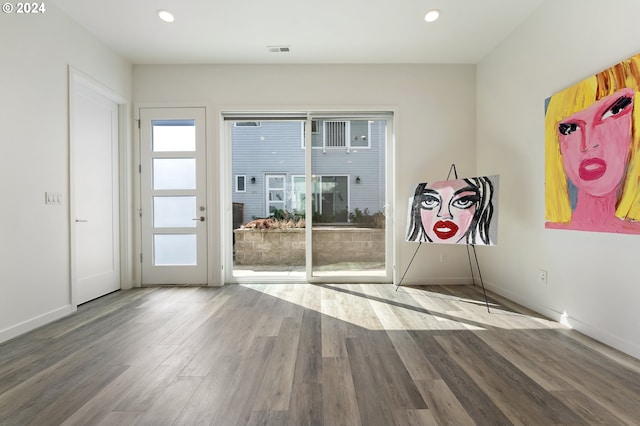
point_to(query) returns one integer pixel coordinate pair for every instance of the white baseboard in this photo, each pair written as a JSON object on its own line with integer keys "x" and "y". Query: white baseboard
{"x": 33, "y": 323}
{"x": 623, "y": 345}
{"x": 630, "y": 348}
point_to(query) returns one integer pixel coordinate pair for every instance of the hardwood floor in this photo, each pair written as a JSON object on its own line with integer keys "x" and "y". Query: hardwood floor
{"x": 312, "y": 355}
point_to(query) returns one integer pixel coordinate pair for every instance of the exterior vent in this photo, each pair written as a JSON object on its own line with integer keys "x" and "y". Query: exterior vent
{"x": 279, "y": 49}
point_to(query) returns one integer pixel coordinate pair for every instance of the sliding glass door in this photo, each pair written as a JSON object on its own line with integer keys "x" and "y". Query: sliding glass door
{"x": 307, "y": 197}
{"x": 348, "y": 169}
{"x": 268, "y": 226}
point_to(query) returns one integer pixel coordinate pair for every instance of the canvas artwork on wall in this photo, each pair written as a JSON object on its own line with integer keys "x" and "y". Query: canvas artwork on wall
{"x": 592, "y": 166}
{"x": 458, "y": 211}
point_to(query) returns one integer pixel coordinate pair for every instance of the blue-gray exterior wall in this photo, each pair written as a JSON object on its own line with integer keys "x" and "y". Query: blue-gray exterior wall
{"x": 277, "y": 147}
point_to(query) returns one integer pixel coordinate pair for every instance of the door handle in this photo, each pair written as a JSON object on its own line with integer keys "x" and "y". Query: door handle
{"x": 82, "y": 220}
{"x": 201, "y": 218}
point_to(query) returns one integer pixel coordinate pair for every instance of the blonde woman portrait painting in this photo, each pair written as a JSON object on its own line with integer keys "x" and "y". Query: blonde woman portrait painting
{"x": 592, "y": 167}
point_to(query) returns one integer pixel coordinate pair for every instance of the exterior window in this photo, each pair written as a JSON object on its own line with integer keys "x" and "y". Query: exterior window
{"x": 336, "y": 134}
{"x": 343, "y": 134}
{"x": 241, "y": 183}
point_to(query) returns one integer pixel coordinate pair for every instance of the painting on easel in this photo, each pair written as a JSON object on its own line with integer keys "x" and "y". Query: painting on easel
{"x": 592, "y": 150}
{"x": 458, "y": 211}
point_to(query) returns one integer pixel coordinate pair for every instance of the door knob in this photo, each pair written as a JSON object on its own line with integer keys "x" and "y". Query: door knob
{"x": 82, "y": 220}
{"x": 201, "y": 218}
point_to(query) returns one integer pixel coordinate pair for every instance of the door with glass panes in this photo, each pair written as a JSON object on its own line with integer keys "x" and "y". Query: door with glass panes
{"x": 173, "y": 213}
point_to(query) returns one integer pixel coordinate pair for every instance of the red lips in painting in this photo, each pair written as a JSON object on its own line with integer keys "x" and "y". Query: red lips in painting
{"x": 445, "y": 229}
{"x": 592, "y": 168}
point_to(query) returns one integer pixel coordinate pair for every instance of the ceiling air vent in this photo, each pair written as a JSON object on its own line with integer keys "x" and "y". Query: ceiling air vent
{"x": 279, "y": 49}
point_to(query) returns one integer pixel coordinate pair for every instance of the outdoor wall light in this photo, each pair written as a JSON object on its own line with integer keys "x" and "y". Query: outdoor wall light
{"x": 358, "y": 179}
{"x": 253, "y": 179}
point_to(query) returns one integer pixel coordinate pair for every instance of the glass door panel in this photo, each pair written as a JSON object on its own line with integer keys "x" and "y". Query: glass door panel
{"x": 174, "y": 212}
{"x": 174, "y": 135}
{"x": 312, "y": 206}
{"x": 268, "y": 226}
{"x": 349, "y": 198}
{"x": 172, "y": 249}
{"x": 174, "y": 173}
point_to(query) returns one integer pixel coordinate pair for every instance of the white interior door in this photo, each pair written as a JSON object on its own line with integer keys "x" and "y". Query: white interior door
{"x": 94, "y": 192}
{"x": 173, "y": 191}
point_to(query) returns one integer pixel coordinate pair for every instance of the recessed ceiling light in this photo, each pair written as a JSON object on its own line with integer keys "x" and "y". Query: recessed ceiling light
{"x": 166, "y": 16}
{"x": 432, "y": 15}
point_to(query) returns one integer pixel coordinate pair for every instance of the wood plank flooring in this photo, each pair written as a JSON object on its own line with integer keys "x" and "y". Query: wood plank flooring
{"x": 304, "y": 354}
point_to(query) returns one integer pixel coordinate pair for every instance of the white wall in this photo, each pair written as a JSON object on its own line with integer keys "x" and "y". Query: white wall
{"x": 435, "y": 123}
{"x": 35, "y": 53}
{"x": 592, "y": 277}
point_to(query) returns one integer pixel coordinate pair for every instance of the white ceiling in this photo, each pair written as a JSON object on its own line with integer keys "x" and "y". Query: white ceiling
{"x": 321, "y": 31}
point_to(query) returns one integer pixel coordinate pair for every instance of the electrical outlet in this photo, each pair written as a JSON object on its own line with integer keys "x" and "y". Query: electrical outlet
{"x": 542, "y": 275}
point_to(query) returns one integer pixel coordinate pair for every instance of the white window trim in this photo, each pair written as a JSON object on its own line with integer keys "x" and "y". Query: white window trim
{"x": 268, "y": 188}
{"x": 347, "y": 135}
{"x": 348, "y": 148}
{"x": 324, "y": 146}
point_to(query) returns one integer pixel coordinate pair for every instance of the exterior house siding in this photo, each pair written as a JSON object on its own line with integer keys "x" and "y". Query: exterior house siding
{"x": 277, "y": 147}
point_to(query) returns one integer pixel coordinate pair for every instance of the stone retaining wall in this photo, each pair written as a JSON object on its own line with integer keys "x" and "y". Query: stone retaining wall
{"x": 287, "y": 246}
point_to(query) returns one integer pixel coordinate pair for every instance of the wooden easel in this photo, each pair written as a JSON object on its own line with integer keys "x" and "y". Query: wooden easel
{"x": 473, "y": 247}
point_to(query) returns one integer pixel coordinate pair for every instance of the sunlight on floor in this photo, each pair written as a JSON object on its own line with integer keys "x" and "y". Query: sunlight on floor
{"x": 408, "y": 308}
{"x": 348, "y": 269}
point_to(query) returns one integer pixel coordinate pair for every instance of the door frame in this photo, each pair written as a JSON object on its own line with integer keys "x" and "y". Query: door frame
{"x": 226, "y": 184}
{"x": 214, "y": 267}
{"x": 77, "y": 78}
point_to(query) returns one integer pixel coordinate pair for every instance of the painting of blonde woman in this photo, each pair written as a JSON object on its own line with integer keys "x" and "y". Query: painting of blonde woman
{"x": 592, "y": 166}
